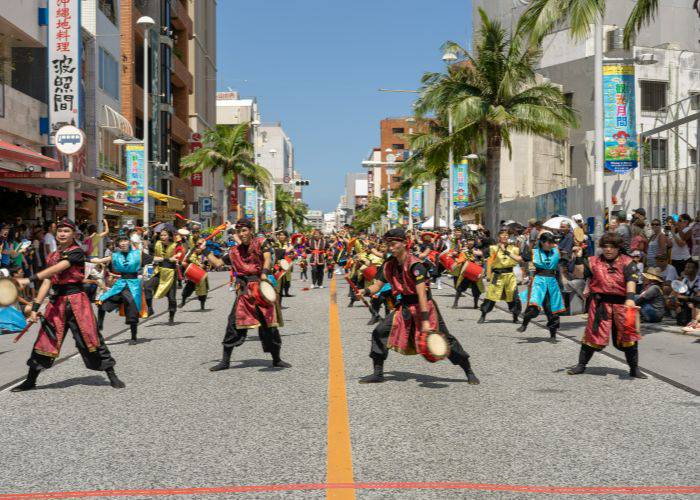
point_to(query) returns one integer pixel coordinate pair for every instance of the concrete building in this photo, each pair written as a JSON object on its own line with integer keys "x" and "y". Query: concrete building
{"x": 330, "y": 223}
{"x": 394, "y": 146}
{"x": 667, "y": 71}
{"x": 275, "y": 152}
{"x": 202, "y": 101}
{"x": 356, "y": 191}
{"x": 315, "y": 219}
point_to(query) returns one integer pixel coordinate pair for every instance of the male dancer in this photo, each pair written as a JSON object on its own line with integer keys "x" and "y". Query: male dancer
{"x": 201, "y": 288}
{"x": 127, "y": 290}
{"x": 164, "y": 282}
{"x": 543, "y": 291}
{"x": 467, "y": 254}
{"x": 283, "y": 248}
{"x": 68, "y": 308}
{"x": 251, "y": 260}
{"x": 611, "y": 312}
{"x": 503, "y": 257}
{"x": 317, "y": 247}
{"x": 415, "y": 310}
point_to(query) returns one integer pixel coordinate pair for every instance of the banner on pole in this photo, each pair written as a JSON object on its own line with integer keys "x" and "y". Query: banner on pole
{"x": 393, "y": 209}
{"x": 135, "y": 177}
{"x": 64, "y": 53}
{"x": 250, "y": 202}
{"x": 269, "y": 209}
{"x": 620, "y": 127}
{"x": 460, "y": 187}
{"x": 417, "y": 202}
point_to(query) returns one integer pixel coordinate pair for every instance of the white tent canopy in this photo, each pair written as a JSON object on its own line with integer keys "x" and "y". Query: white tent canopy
{"x": 430, "y": 223}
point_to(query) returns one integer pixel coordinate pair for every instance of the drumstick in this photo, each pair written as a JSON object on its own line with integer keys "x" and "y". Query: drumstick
{"x": 21, "y": 334}
{"x": 356, "y": 291}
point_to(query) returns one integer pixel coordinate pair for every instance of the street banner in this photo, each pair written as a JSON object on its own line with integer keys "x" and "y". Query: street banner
{"x": 196, "y": 180}
{"x": 250, "y": 202}
{"x": 620, "y": 127}
{"x": 64, "y": 64}
{"x": 460, "y": 184}
{"x": 268, "y": 211}
{"x": 417, "y": 202}
{"x": 393, "y": 209}
{"x": 135, "y": 178}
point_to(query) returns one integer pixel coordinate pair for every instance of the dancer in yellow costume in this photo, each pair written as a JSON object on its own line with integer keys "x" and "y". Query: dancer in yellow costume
{"x": 503, "y": 285}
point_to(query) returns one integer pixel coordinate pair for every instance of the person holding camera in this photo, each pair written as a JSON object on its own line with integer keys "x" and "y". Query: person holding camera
{"x": 680, "y": 236}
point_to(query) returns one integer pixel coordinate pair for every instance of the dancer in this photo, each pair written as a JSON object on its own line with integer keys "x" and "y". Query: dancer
{"x": 415, "y": 311}
{"x": 164, "y": 282}
{"x": 612, "y": 311}
{"x": 251, "y": 260}
{"x": 317, "y": 246}
{"x": 468, "y": 254}
{"x": 283, "y": 248}
{"x": 543, "y": 291}
{"x": 503, "y": 285}
{"x": 127, "y": 291}
{"x": 201, "y": 288}
{"x": 68, "y": 309}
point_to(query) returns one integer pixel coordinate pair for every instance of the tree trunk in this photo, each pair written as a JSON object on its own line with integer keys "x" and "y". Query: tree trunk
{"x": 436, "y": 211}
{"x": 492, "y": 213}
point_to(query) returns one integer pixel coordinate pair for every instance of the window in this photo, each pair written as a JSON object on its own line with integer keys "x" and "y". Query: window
{"x": 397, "y": 146}
{"x": 694, "y": 100}
{"x": 109, "y": 10}
{"x": 692, "y": 156}
{"x": 656, "y": 153}
{"x": 569, "y": 99}
{"x": 110, "y": 154}
{"x": 397, "y": 130}
{"x": 108, "y": 74}
{"x": 653, "y": 95}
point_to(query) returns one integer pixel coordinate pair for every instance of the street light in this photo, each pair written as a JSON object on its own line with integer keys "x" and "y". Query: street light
{"x": 146, "y": 23}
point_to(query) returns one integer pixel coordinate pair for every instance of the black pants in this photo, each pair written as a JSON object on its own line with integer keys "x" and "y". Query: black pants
{"x": 189, "y": 289}
{"x": 303, "y": 275}
{"x": 131, "y": 312}
{"x": 317, "y": 274}
{"x": 531, "y": 312}
{"x": 269, "y": 336}
{"x": 99, "y": 360}
{"x": 466, "y": 285}
{"x": 171, "y": 296}
{"x": 380, "y": 338}
{"x": 515, "y": 307}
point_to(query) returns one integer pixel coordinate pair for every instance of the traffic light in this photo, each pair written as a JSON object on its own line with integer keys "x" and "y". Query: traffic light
{"x": 301, "y": 182}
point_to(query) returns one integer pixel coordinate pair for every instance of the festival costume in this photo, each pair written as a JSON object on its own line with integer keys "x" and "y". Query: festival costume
{"x": 201, "y": 289}
{"x": 69, "y": 308}
{"x": 285, "y": 281}
{"x": 503, "y": 285}
{"x": 462, "y": 284}
{"x": 127, "y": 291}
{"x": 317, "y": 248}
{"x": 608, "y": 316}
{"x": 398, "y": 331}
{"x": 248, "y": 311}
{"x": 165, "y": 276}
{"x": 543, "y": 292}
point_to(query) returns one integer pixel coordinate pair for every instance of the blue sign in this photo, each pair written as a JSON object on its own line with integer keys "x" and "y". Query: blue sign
{"x": 620, "y": 127}
{"x": 460, "y": 184}
{"x": 251, "y": 200}
{"x": 135, "y": 177}
{"x": 206, "y": 206}
{"x": 393, "y": 209}
{"x": 417, "y": 202}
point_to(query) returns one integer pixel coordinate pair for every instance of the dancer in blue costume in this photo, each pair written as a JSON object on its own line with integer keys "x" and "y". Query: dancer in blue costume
{"x": 127, "y": 290}
{"x": 543, "y": 291}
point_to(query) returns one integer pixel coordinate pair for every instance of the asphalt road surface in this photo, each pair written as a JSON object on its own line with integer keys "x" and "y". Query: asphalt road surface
{"x": 311, "y": 431}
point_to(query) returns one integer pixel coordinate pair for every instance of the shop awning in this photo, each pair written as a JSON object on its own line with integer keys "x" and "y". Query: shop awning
{"x": 51, "y": 181}
{"x": 24, "y": 155}
{"x": 173, "y": 202}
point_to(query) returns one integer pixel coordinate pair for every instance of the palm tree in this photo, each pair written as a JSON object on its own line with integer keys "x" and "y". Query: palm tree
{"x": 227, "y": 148}
{"x": 492, "y": 94}
{"x": 289, "y": 210}
{"x": 373, "y": 212}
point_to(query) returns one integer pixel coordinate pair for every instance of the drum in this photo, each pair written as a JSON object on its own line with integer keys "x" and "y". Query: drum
{"x": 677, "y": 286}
{"x": 195, "y": 274}
{"x": 268, "y": 292}
{"x": 369, "y": 273}
{"x": 472, "y": 271}
{"x": 284, "y": 264}
{"x": 433, "y": 256}
{"x": 432, "y": 346}
{"x": 8, "y": 292}
{"x": 447, "y": 261}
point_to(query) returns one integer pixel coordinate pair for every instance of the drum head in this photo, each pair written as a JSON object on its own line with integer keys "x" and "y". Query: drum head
{"x": 679, "y": 287}
{"x": 268, "y": 292}
{"x": 284, "y": 264}
{"x": 183, "y": 232}
{"x": 437, "y": 345}
{"x": 8, "y": 292}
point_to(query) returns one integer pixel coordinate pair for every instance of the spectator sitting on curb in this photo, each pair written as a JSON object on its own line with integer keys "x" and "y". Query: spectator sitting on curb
{"x": 651, "y": 300}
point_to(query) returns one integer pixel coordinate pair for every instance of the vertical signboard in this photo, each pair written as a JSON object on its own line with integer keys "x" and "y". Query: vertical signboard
{"x": 134, "y": 173}
{"x": 269, "y": 209}
{"x": 393, "y": 209}
{"x": 460, "y": 184}
{"x": 620, "y": 127}
{"x": 250, "y": 202}
{"x": 64, "y": 64}
{"x": 417, "y": 202}
{"x": 205, "y": 206}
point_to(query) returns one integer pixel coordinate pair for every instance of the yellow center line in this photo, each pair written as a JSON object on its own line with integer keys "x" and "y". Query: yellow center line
{"x": 339, "y": 454}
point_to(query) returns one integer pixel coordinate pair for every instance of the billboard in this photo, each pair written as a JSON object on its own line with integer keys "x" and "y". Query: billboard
{"x": 135, "y": 178}
{"x": 250, "y": 202}
{"x": 64, "y": 53}
{"x": 393, "y": 209}
{"x": 460, "y": 184}
{"x": 269, "y": 211}
{"x": 620, "y": 127}
{"x": 416, "y": 202}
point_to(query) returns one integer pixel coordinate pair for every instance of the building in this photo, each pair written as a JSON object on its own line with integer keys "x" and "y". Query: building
{"x": 356, "y": 191}
{"x": 202, "y": 103}
{"x": 275, "y": 152}
{"x": 315, "y": 219}
{"x": 330, "y": 223}
{"x": 667, "y": 71}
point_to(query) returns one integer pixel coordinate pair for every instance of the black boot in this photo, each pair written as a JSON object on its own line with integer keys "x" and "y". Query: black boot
{"x": 584, "y": 356}
{"x": 472, "y": 379}
{"x": 134, "y": 331}
{"x": 375, "y": 317}
{"x": 482, "y": 318}
{"x": 171, "y": 317}
{"x": 515, "y": 318}
{"x": 377, "y": 377}
{"x": 113, "y": 379}
{"x": 352, "y": 303}
{"x": 476, "y": 302}
{"x": 225, "y": 361}
{"x": 553, "y": 335}
{"x": 100, "y": 319}
{"x": 455, "y": 304}
{"x": 202, "y": 302}
{"x": 29, "y": 383}
{"x": 632, "y": 357}
{"x": 182, "y": 302}
{"x": 523, "y": 327}
{"x": 277, "y": 361}
{"x": 149, "y": 304}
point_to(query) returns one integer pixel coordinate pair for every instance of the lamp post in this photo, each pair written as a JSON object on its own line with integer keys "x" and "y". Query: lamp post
{"x": 146, "y": 23}
{"x": 448, "y": 58}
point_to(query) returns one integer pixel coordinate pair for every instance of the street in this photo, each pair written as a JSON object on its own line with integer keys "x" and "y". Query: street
{"x": 312, "y": 431}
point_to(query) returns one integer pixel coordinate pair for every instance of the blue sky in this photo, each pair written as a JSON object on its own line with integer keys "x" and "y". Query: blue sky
{"x": 316, "y": 65}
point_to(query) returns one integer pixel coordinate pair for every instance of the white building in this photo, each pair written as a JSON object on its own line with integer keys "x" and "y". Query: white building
{"x": 315, "y": 219}
{"x": 330, "y": 224}
{"x": 275, "y": 152}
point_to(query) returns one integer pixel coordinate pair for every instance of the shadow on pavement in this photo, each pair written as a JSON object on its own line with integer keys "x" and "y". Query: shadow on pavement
{"x": 600, "y": 371}
{"x": 427, "y": 381}
{"x": 175, "y": 323}
{"x": 89, "y": 380}
{"x": 265, "y": 365}
{"x": 537, "y": 340}
{"x": 145, "y": 340}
